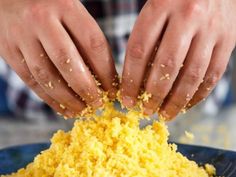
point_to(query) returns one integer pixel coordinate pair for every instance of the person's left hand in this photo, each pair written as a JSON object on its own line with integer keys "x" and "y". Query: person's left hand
{"x": 178, "y": 51}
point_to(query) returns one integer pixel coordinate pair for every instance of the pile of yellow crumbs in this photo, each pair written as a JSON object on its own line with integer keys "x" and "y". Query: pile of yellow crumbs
{"x": 112, "y": 145}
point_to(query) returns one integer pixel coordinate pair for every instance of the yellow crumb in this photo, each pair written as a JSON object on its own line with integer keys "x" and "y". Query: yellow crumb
{"x": 189, "y": 135}
{"x": 165, "y": 77}
{"x": 145, "y": 96}
{"x": 62, "y": 106}
{"x": 97, "y": 82}
{"x": 210, "y": 169}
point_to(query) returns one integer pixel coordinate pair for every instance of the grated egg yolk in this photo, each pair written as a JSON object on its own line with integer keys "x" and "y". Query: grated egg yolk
{"x": 112, "y": 145}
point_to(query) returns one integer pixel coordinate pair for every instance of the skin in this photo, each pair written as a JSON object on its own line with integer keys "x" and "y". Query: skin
{"x": 178, "y": 51}
{"x": 55, "y": 46}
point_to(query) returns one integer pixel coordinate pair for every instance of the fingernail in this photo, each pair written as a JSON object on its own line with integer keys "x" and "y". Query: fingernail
{"x": 148, "y": 111}
{"x": 97, "y": 103}
{"x": 128, "y": 101}
{"x": 112, "y": 93}
{"x": 164, "y": 115}
{"x": 69, "y": 114}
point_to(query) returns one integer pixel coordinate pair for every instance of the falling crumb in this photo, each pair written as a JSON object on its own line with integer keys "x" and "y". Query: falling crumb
{"x": 41, "y": 55}
{"x": 62, "y": 106}
{"x": 58, "y": 113}
{"x": 208, "y": 88}
{"x": 165, "y": 77}
{"x": 163, "y": 66}
{"x": 189, "y": 135}
{"x": 131, "y": 80}
{"x": 71, "y": 70}
{"x": 192, "y": 155}
{"x": 68, "y": 61}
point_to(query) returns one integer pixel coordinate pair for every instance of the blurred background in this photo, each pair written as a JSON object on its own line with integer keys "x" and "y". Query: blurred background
{"x": 212, "y": 122}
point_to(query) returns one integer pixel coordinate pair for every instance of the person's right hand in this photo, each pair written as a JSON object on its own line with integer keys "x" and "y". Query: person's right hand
{"x": 55, "y": 46}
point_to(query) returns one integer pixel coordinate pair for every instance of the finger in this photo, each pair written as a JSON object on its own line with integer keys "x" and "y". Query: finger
{"x": 63, "y": 53}
{"x": 93, "y": 46}
{"x": 16, "y": 60}
{"x": 168, "y": 61}
{"x": 141, "y": 44}
{"x": 216, "y": 69}
{"x": 48, "y": 76}
{"x": 190, "y": 77}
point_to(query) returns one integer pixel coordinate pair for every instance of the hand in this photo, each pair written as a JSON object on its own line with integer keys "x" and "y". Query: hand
{"x": 55, "y": 46}
{"x": 178, "y": 51}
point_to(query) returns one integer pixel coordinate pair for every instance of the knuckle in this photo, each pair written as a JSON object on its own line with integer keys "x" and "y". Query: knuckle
{"x": 136, "y": 51}
{"x": 168, "y": 61}
{"x": 157, "y": 4}
{"x": 67, "y": 3}
{"x": 212, "y": 79}
{"x": 35, "y": 11}
{"x": 194, "y": 9}
{"x": 61, "y": 55}
{"x": 194, "y": 75}
{"x": 97, "y": 43}
{"x": 41, "y": 74}
{"x": 14, "y": 31}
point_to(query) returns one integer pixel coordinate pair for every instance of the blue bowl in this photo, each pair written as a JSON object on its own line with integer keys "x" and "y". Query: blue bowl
{"x": 14, "y": 158}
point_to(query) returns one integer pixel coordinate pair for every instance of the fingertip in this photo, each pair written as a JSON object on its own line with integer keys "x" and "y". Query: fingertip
{"x": 148, "y": 111}
{"x": 112, "y": 93}
{"x": 69, "y": 114}
{"x": 165, "y": 115}
{"x": 97, "y": 103}
{"x": 128, "y": 101}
